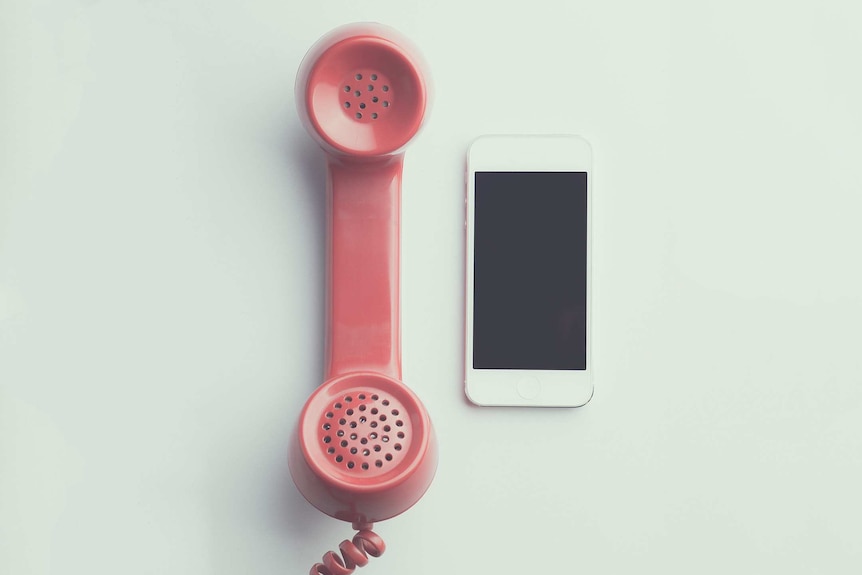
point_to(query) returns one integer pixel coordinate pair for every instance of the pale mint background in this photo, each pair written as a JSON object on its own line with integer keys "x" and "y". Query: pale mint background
{"x": 161, "y": 273}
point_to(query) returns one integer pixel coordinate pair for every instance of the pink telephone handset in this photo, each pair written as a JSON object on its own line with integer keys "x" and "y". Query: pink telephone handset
{"x": 364, "y": 449}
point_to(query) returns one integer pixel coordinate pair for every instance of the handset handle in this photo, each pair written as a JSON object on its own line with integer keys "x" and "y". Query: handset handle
{"x": 363, "y": 250}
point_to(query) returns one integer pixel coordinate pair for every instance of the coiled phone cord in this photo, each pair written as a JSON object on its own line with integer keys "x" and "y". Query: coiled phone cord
{"x": 354, "y": 553}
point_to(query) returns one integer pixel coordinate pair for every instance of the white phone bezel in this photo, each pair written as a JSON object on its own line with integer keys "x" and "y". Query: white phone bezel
{"x": 515, "y": 387}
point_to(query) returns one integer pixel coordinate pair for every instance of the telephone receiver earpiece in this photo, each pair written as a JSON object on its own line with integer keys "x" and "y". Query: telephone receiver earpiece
{"x": 364, "y": 449}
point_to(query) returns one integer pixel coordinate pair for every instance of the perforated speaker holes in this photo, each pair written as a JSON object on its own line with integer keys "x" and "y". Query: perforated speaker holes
{"x": 366, "y": 95}
{"x": 365, "y": 432}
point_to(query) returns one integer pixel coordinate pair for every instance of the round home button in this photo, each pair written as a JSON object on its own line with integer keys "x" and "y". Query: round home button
{"x": 529, "y": 387}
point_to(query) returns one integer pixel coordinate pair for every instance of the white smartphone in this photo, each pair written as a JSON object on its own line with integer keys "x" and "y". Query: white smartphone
{"x": 528, "y": 271}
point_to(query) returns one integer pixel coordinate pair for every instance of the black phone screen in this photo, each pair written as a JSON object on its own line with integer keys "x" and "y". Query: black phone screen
{"x": 530, "y": 271}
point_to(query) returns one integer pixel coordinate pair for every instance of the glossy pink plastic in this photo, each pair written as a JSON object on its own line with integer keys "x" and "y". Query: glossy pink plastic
{"x": 364, "y": 449}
